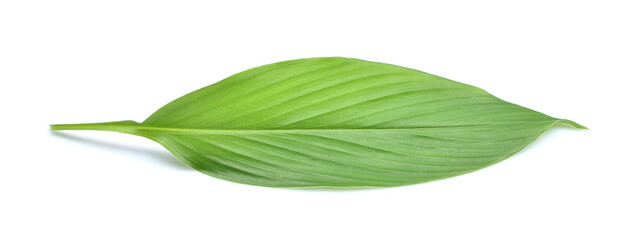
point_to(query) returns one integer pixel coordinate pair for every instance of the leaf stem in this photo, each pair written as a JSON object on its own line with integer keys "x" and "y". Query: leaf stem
{"x": 128, "y": 126}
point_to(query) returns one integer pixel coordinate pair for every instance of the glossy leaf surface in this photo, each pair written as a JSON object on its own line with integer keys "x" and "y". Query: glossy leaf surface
{"x": 337, "y": 122}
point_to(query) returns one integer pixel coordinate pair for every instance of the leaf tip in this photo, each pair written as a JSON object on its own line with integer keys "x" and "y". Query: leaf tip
{"x": 573, "y": 124}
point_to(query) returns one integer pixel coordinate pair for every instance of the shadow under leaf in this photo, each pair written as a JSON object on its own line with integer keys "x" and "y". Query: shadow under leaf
{"x": 161, "y": 156}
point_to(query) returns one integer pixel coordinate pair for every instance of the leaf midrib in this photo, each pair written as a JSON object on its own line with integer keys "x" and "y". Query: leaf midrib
{"x": 132, "y": 127}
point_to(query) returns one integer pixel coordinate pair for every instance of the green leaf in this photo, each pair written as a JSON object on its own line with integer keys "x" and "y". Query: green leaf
{"x": 337, "y": 122}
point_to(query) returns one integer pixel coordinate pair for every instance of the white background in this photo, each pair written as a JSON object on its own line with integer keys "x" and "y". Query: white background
{"x": 95, "y": 61}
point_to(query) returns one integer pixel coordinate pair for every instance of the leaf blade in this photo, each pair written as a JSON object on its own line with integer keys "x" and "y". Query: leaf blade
{"x": 367, "y": 154}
